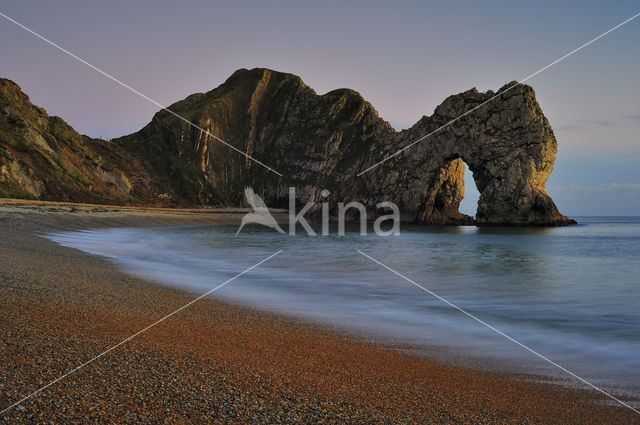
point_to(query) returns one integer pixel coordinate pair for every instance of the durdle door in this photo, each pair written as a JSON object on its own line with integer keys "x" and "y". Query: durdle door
{"x": 317, "y": 142}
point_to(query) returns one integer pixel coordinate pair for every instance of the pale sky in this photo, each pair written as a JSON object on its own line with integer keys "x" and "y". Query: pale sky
{"x": 404, "y": 57}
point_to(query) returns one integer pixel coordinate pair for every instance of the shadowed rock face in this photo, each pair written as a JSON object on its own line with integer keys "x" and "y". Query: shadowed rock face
{"x": 315, "y": 141}
{"x": 323, "y": 141}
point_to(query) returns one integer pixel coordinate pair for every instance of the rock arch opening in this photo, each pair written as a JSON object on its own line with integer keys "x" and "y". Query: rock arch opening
{"x": 469, "y": 203}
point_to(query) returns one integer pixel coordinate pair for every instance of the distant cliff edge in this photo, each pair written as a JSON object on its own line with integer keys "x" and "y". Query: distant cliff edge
{"x": 316, "y": 142}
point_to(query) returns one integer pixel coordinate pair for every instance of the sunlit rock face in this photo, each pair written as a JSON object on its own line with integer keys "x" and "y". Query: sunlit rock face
{"x": 507, "y": 143}
{"x": 42, "y": 157}
{"x": 317, "y": 142}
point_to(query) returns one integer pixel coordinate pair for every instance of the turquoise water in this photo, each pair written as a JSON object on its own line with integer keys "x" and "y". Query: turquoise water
{"x": 570, "y": 293}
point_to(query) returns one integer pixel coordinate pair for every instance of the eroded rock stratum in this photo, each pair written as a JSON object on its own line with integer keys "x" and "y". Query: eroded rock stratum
{"x": 320, "y": 142}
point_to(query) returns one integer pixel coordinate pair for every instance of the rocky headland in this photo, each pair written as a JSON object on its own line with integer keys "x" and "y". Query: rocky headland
{"x": 317, "y": 142}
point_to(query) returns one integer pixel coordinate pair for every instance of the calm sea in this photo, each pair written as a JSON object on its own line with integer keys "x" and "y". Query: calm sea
{"x": 571, "y": 293}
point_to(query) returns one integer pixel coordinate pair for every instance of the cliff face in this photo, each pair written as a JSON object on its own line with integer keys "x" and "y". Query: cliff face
{"x": 42, "y": 157}
{"x": 322, "y": 142}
